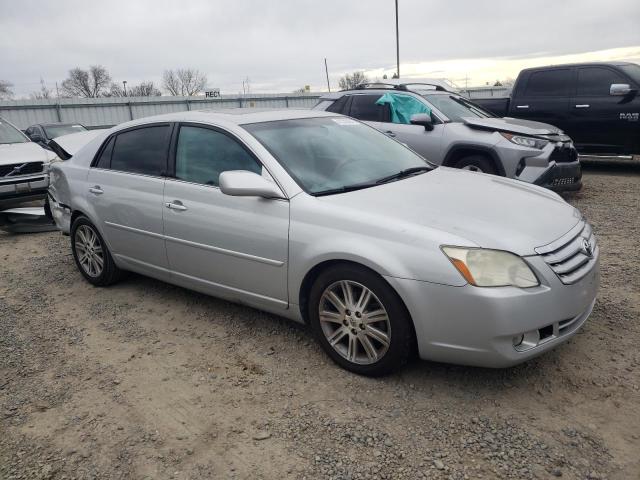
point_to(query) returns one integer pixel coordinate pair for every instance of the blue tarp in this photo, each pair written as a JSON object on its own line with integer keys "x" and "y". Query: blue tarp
{"x": 402, "y": 107}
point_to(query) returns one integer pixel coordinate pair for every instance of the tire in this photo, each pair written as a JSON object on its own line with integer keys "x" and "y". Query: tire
{"x": 359, "y": 339}
{"x": 82, "y": 231}
{"x": 476, "y": 163}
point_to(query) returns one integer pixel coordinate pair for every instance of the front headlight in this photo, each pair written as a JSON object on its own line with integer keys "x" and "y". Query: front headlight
{"x": 491, "y": 268}
{"x": 523, "y": 141}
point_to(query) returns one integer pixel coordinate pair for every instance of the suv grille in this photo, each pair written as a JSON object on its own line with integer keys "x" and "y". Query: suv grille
{"x": 564, "y": 154}
{"x": 573, "y": 255}
{"x": 23, "y": 169}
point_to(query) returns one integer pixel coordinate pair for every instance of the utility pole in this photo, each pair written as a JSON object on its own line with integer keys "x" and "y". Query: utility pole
{"x": 397, "y": 44}
{"x": 326, "y": 71}
{"x": 124, "y": 84}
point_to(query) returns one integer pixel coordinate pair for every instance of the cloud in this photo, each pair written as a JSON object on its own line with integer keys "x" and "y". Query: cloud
{"x": 280, "y": 45}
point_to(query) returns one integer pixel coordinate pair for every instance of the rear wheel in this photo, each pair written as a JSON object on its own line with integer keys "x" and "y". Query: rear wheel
{"x": 92, "y": 255}
{"x": 360, "y": 321}
{"x": 476, "y": 163}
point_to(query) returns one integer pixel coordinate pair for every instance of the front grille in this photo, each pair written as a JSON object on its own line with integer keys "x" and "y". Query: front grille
{"x": 573, "y": 255}
{"x": 22, "y": 169}
{"x": 564, "y": 154}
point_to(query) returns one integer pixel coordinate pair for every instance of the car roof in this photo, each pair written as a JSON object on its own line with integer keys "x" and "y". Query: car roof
{"x": 583, "y": 64}
{"x": 233, "y": 116}
{"x": 382, "y": 91}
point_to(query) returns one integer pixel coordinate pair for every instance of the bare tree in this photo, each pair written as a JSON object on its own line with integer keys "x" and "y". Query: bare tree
{"x": 184, "y": 81}
{"x": 5, "y": 90}
{"x": 90, "y": 83}
{"x": 43, "y": 93}
{"x": 350, "y": 81}
{"x": 145, "y": 89}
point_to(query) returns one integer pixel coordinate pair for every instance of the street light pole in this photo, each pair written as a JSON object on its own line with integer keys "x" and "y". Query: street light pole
{"x": 326, "y": 71}
{"x": 397, "y": 44}
{"x": 124, "y": 84}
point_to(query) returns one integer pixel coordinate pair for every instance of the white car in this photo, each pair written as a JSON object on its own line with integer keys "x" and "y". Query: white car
{"x": 322, "y": 219}
{"x": 23, "y": 167}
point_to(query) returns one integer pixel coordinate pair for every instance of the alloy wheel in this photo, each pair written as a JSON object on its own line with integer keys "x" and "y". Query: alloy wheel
{"x": 89, "y": 251}
{"x": 354, "y": 322}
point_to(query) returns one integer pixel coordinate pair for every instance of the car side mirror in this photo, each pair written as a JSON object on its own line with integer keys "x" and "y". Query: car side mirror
{"x": 423, "y": 119}
{"x": 620, "y": 89}
{"x": 242, "y": 183}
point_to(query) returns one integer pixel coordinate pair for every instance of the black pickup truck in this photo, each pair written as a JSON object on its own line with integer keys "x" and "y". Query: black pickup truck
{"x": 596, "y": 104}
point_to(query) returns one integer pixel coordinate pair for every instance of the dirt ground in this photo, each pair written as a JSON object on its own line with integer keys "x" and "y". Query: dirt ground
{"x": 147, "y": 380}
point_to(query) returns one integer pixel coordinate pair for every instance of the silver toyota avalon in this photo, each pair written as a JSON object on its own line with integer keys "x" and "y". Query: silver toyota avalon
{"x": 322, "y": 219}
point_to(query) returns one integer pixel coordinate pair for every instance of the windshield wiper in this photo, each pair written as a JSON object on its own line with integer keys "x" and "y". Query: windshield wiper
{"x": 346, "y": 188}
{"x": 407, "y": 172}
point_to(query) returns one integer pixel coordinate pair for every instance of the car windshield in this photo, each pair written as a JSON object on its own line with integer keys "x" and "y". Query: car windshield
{"x": 455, "y": 107}
{"x": 10, "y": 134}
{"x": 54, "y": 131}
{"x": 332, "y": 154}
{"x": 633, "y": 71}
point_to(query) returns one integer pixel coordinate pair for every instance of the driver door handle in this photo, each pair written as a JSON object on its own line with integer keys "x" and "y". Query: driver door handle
{"x": 175, "y": 205}
{"x": 583, "y": 105}
{"x": 390, "y": 133}
{"x": 96, "y": 190}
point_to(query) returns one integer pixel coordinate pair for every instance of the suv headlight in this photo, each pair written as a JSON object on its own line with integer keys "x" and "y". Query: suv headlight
{"x": 523, "y": 141}
{"x": 491, "y": 268}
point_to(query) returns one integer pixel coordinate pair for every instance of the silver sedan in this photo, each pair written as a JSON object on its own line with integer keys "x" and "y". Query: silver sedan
{"x": 320, "y": 218}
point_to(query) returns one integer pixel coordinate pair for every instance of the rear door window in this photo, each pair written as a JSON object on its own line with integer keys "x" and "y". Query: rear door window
{"x": 339, "y": 106}
{"x": 596, "y": 81}
{"x": 105, "y": 157}
{"x": 364, "y": 107}
{"x": 143, "y": 150}
{"x": 550, "y": 83}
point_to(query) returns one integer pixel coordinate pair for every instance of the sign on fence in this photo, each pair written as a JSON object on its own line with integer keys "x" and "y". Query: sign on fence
{"x": 213, "y": 93}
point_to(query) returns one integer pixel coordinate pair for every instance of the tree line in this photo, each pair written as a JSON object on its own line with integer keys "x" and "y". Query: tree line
{"x": 96, "y": 82}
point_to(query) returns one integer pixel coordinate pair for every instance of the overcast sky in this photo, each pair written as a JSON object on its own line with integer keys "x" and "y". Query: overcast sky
{"x": 280, "y": 44}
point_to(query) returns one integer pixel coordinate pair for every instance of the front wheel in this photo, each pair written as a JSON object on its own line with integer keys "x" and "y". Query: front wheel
{"x": 476, "y": 163}
{"x": 360, "y": 321}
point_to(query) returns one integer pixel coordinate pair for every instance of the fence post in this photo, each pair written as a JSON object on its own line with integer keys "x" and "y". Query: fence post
{"x": 286, "y": 101}
{"x": 130, "y": 111}
{"x": 58, "y": 111}
{"x": 240, "y": 101}
{"x": 188, "y": 105}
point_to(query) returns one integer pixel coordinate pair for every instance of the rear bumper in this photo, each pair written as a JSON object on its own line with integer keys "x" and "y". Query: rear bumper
{"x": 17, "y": 191}
{"x": 562, "y": 177}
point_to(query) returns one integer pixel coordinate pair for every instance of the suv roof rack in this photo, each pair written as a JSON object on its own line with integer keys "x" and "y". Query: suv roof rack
{"x": 393, "y": 86}
{"x": 363, "y": 86}
{"x": 439, "y": 88}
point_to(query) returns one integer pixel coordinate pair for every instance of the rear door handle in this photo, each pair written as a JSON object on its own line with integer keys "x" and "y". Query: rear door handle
{"x": 96, "y": 190}
{"x": 390, "y": 133}
{"x": 522, "y": 107}
{"x": 175, "y": 205}
{"x": 583, "y": 105}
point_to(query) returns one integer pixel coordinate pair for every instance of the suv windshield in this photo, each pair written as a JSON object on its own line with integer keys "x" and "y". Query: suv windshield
{"x": 455, "y": 107}
{"x": 10, "y": 134}
{"x": 54, "y": 131}
{"x": 332, "y": 154}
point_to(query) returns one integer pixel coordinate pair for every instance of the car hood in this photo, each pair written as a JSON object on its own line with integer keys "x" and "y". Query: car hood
{"x": 485, "y": 210}
{"x": 513, "y": 125}
{"x": 26, "y": 152}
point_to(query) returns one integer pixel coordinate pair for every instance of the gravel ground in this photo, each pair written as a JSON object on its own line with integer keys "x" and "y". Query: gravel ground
{"x": 146, "y": 380}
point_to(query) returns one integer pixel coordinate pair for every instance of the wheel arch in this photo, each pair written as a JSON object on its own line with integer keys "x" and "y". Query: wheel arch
{"x": 459, "y": 151}
{"x": 316, "y": 270}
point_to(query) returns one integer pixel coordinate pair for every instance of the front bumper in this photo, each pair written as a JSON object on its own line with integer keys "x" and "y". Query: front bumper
{"x": 562, "y": 177}
{"x": 17, "y": 190}
{"x": 477, "y": 326}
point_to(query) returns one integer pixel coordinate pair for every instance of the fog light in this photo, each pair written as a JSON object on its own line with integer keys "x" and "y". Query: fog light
{"x": 517, "y": 340}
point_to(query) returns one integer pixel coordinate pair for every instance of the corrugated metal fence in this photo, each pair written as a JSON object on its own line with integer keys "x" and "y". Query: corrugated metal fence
{"x": 105, "y": 112}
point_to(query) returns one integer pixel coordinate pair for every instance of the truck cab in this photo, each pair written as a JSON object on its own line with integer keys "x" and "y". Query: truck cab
{"x": 596, "y": 104}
